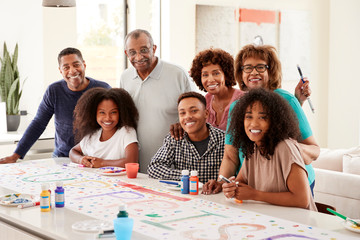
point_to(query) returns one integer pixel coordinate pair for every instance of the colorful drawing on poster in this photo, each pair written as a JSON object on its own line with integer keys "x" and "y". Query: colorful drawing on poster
{"x": 119, "y": 194}
{"x": 48, "y": 177}
{"x": 155, "y": 203}
{"x": 226, "y": 231}
{"x": 157, "y": 213}
{"x": 146, "y": 190}
{"x": 287, "y": 236}
{"x": 89, "y": 184}
{"x": 162, "y": 224}
{"x": 14, "y": 171}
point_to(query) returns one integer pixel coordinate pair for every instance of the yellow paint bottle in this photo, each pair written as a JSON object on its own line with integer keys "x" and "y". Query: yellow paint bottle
{"x": 45, "y": 198}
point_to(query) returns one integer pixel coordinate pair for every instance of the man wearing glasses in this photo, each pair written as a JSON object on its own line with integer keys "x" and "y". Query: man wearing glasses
{"x": 155, "y": 86}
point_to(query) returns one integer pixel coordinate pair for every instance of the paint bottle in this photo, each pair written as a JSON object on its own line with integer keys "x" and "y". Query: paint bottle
{"x": 45, "y": 198}
{"x": 194, "y": 183}
{"x": 185, "y": 182}
{"x": 50, "y": 196}
{"x": 59, "y": 195}
{"x": 123, "y": 225}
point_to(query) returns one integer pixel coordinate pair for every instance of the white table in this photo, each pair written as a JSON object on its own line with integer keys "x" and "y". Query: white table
{"x": 57, "y": 223}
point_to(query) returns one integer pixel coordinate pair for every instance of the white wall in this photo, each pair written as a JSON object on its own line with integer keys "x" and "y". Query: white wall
{"x": 178, "y": 31}
{"x": 59, "y": 32}
{"x": 23, "y": 25}
{"x": 41, "y": 34}
{"x": 344, "y": 81}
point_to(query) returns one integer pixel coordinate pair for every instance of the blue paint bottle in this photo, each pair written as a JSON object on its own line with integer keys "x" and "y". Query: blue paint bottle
{"x": 123, "y": 225}
{"x": 185, "y": 182}
{"x": 59, "y": 195}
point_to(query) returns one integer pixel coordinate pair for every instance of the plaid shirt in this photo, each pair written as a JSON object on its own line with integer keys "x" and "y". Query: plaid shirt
{"x": 175, "y": 156}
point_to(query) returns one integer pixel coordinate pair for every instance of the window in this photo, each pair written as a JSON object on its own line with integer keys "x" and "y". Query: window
{"x": 100, "y": 38}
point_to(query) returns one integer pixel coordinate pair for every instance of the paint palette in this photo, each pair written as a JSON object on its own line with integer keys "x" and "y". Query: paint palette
{"x": 352, "y": 227}
{"x": 111, "y": 171}
{"x": 15, "y": 199}
{"x": 95, "y": 226}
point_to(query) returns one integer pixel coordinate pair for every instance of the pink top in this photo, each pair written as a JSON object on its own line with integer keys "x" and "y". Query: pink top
{"x": 212, "y": 114}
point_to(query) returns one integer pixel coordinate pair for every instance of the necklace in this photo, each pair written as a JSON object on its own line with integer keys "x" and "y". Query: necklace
{"x": 219, "y": 106}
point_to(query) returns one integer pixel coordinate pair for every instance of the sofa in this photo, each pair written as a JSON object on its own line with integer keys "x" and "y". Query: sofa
{"x": 337, "y": 180}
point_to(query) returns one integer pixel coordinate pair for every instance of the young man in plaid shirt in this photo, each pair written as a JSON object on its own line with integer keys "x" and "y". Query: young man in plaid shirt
{"x": 201, "y": 149}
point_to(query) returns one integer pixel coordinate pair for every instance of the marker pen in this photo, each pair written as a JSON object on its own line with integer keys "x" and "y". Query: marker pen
{"x": 308, "y": 98}
{"x": 26, "y": 205}
{"x": 224, "y": 178}
{"x": 169, "y": 182}
{"x": 72, "y": 165}
{"x": 107, "y": 235}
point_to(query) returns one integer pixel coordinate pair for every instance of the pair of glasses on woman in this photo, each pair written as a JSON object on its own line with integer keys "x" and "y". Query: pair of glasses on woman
{"x": 260, "y": 68}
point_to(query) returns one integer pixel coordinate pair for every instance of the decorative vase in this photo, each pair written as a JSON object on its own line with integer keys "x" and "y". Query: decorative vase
{"x": 12, "y": 122}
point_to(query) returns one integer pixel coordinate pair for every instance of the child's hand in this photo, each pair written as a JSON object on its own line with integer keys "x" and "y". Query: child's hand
{"x": 86, "y": 161}
{"x": 97, "y": 162}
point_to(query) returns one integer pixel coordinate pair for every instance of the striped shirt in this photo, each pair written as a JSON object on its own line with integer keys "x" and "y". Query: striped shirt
{"x": 175, "y": 156}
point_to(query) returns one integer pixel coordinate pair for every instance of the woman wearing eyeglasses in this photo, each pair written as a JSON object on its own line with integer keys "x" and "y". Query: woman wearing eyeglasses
{"x": 259, "y": 66}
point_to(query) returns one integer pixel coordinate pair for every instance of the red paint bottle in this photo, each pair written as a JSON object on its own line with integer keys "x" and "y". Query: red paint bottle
{"x": 194, "y": 183}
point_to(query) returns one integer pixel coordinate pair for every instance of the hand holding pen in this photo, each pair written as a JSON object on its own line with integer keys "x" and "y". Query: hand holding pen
{"x": 229, "y": 191}
{"x": 304, "y": 81}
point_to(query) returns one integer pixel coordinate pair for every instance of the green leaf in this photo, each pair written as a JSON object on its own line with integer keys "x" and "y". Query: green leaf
{"x": 10, "y": 80}
{"x": 13, "y": 98}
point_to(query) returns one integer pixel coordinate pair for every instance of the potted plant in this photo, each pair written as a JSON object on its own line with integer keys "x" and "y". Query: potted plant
{"x": 10, "y": 87}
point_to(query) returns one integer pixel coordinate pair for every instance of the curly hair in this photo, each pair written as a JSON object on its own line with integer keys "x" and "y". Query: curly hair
{"x": 213, "y": 56}
{"x": 266, "y": 53}
{"x": 85, "y": 122}
{"x": 283, "y": 123}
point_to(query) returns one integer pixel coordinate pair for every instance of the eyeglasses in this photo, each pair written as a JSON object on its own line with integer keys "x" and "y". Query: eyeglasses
{"x": 260, "y": 68}
{"x": 143, "y": 51}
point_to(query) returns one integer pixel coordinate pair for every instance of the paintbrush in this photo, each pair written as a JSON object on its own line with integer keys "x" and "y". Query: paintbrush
{"x": 343, "y": 217}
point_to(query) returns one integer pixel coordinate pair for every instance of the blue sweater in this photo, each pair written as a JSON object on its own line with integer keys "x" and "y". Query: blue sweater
{"x": 60, "y": 101}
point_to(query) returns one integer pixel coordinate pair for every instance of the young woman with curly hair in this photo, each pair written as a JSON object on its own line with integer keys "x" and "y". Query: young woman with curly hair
{"x": 105, "y": 122}
{"x": 273, "y": 170}
{"x": 213, "y": 72}
{"x": 260, "y": 67}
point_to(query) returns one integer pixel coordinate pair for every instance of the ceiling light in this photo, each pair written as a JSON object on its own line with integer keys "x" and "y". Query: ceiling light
{"x": 59, "y": 3}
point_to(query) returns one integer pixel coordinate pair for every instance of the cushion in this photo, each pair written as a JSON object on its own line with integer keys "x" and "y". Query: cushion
{"x": 351, "y": 163}
{"x": 333, "y": 159}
